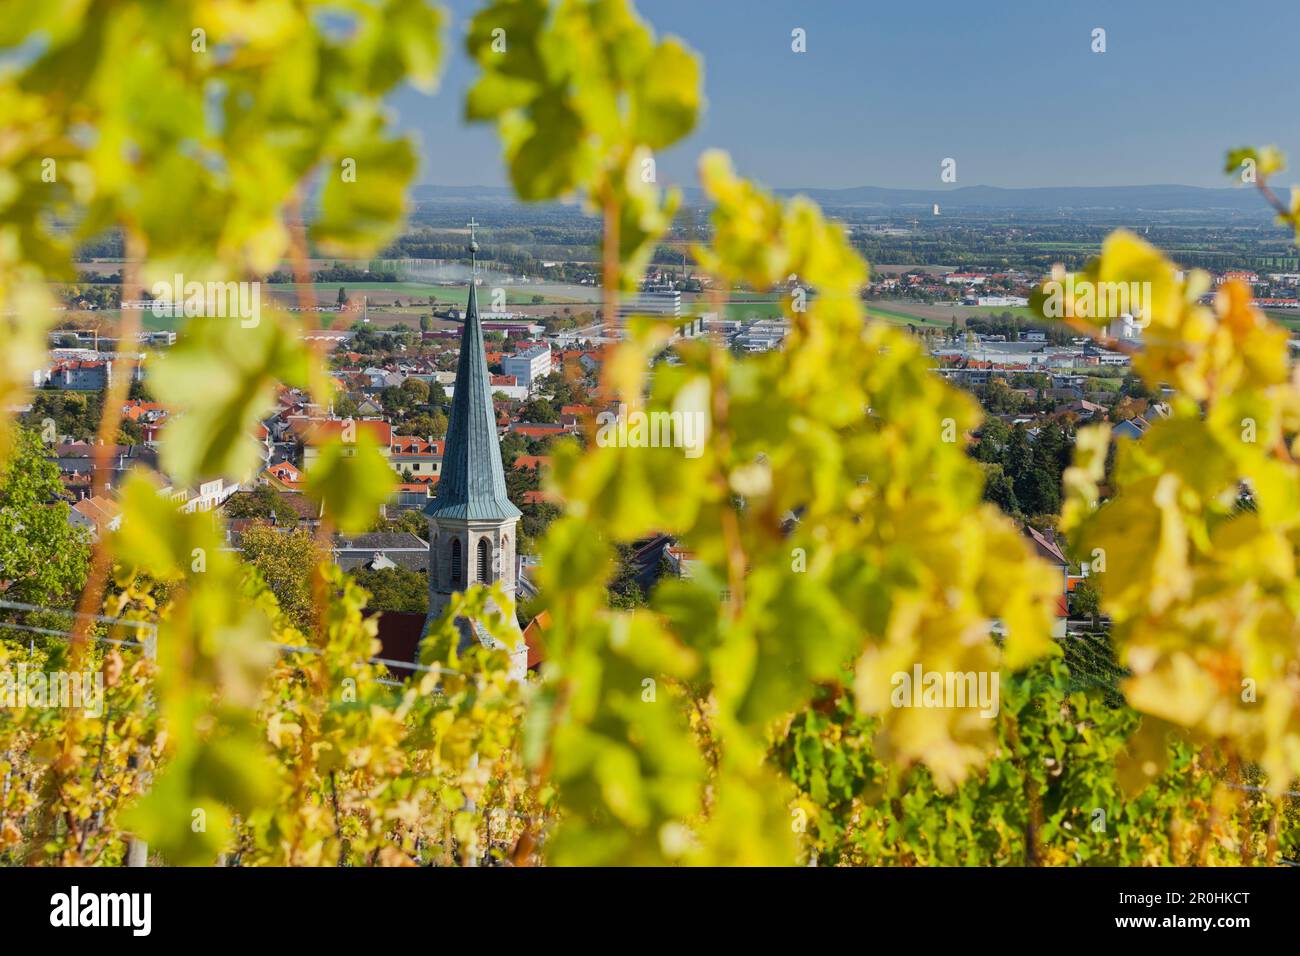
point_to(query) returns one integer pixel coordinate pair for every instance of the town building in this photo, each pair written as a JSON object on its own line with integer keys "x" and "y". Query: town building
{"x": 528, "y": 366}
{"x": 81, "y": 376}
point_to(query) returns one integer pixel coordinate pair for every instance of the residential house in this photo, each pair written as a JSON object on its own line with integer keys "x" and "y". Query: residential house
{"x": 96, "y": 514}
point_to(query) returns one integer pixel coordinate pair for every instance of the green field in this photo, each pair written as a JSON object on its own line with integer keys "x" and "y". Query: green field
{"x": 1288, "y": 318}
{"x": 752, "y": 310}
{"x": 756, "y": 309}
{"x": 895, "y": 317}
{"x": 984, "y": 311}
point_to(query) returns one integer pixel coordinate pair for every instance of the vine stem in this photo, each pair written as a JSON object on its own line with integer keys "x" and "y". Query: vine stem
{"x": 610, "y": 265}
{"x": 730, "y": 525}
{"x": 526, "y": 846}
{"x": 1271, "y": 198}
{"x": 1274, "y": 817}
{"x": 318, "y": 384}
{"x": 92, "y": 593}
{"x": 1033, "y": 825}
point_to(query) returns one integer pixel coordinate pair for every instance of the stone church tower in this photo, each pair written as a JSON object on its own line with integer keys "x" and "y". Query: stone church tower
{"x": 472, "y": 523}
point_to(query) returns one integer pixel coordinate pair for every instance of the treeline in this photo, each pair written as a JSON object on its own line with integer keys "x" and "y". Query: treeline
{"x": 108, "y": 246}
{"x": 377, "y": 272}
{"x": 95, "y": 295}
{"x": 430, "y": 243}
{"x": 1011, "y": 325}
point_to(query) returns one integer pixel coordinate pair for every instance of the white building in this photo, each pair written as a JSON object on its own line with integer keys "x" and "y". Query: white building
{"x": 1124, "y": 329}
{"x": 529, "y": 365}
{"x": 651, "y": 303}
{"x": 762, "y": 336}
{"x": 1002, "y": 300}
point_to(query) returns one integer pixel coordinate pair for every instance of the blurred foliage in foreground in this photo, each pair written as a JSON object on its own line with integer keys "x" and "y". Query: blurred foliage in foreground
{"x": 747, "y": 716}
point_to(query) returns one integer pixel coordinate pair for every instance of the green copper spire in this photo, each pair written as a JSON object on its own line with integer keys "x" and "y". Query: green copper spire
{"x": 473, "y": 483}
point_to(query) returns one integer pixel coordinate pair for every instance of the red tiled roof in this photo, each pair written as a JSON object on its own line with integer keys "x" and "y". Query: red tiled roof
{"x": 136, "y": 408}
{"x": 415, "y": 445}
{"x": 319, "y": 432}
{"x": 537, "y": 430}
{"x": 285, "y": 472}
{"x": 533, "y": 635}
{"x": 532, "y": 461}
{"x": 1046, "y": 548}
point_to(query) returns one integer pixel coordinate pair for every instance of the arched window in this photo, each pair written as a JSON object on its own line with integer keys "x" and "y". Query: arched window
{"x": 455, "y": 562}
{"x": 484, "y": 560}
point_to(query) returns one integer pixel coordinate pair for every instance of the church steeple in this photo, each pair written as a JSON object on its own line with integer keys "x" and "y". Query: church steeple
{"x": 472, "y": 483}
{"x": 472, "y": 521}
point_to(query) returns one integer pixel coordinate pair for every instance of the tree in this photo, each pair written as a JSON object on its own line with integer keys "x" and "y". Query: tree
{"x": 993, "y": 437}
{"x": 1085, "y": 602}
{"x": 43, "y": 557}
{"x": 999, "y": 490}
{"x": 409, "y": 521}
{"x": 513, "y": 445}
{"x": 139, "y": 391}
{"x": 262, "y": 501}
{"x": 394, "y": 589}
{"x": 286, "y": 560}
{"x": 345, "y": 406}
{"x": 416, "y": 391}
{"x": 537, "y": 518}
{"x": 341, "y": 299}
{"x": 519, "y": 481}
{"x": 538, "y": 410}
{"x": 1018, "y": 460}
{"x": 75, "y": 414}
{"x": 624, "y": 591}
{"x": 130, "y": 433}
{"x": 432, "y": 425}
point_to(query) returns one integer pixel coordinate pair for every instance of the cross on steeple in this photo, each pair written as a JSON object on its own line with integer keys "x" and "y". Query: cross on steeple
{"x": 473, "y": 247}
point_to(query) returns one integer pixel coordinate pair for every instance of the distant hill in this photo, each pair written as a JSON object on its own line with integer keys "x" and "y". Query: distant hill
{"x": 431, "y": 193}
{"x": 1119, "y": 199}
{"x": 1164, "y": 198}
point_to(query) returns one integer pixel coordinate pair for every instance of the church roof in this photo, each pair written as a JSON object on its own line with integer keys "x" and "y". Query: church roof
{"x": 472, "y": 484}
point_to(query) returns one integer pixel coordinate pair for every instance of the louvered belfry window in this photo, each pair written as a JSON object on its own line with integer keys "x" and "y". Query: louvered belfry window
{"x": 484, "y": 560}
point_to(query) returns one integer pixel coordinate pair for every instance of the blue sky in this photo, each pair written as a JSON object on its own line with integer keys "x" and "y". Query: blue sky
{"x": 1009, "y": 88}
